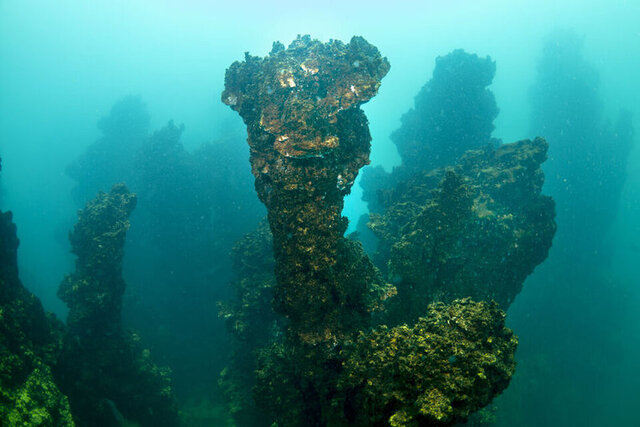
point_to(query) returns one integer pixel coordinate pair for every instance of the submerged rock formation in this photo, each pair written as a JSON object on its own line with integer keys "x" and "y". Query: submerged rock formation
{"x": 588, "y": 154}
{"x": 94, "y": 292}
{"x": 30, "y": 341}
{"x": 250, "y": 319}
{"x": 191, "y": 207}
{"x": 110, "y": 158}
{"x": 462, "y": 215}
{"x": 453, "y": 112}
{"x": 308, "y": 140}
{"x": 475, "y": 230}
{"x": 104, "y": 371}
{"x": 436, "y": 372}
{"x": 322, "y": 364}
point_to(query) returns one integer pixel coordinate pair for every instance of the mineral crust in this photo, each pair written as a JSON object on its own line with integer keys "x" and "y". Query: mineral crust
{"x": 308, "y": 140}
{"x": 477, "y": 229}
{"x": 107, "y": 375}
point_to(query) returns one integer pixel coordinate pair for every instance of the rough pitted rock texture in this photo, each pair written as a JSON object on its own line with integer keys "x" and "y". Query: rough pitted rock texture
{"x": 30, "y": 341}
{"x": 250, "y": 319}
{"x": 105, "y": 372}
{"x": 433, "y": 373}
{"x": 478, "y": 229}
{"x": 258, "y": 330}
{"x": 453, "y": 112}
{"x": 308, "y": 140}
{"x": 94, "y": 292}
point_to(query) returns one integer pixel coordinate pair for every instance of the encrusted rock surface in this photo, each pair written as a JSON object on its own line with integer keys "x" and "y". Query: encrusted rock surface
{"x": 308, "y": 140}
{"x": 30, "y": 342}
{"x": 436, "y": 372}
{"x": 107, "y": 375}
{"x": 323, "y": 364}
{"x": 478, "y": 229}
{"x": 453, "y": 112}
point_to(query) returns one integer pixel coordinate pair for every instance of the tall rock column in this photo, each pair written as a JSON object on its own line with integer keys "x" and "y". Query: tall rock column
{"x": 308, "y": 139}
{"x": 109, "y": 378}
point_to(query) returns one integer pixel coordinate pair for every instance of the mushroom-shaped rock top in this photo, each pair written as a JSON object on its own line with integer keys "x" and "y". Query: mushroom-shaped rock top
{"x": 296, "y": 93}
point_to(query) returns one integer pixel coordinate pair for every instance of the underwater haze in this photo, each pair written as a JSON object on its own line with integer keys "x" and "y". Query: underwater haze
{"x": 220, "y": 286}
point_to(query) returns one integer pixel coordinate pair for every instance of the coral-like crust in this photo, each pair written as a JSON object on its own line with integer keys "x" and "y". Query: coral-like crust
{"x": 30, "y": 342}
{"x": 308, "y": 140}
{"x": 107, "y": 375}
{"x": 436, "y": 372}
{"x": 94, "y": 292}
{"x": 296, "y": 94}
{"x": 478, "y": 229}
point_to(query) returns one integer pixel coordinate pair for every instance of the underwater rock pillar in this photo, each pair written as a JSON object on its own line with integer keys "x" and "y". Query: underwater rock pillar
{"x": 308, "y": 139}
{"x": 109, "y": 378}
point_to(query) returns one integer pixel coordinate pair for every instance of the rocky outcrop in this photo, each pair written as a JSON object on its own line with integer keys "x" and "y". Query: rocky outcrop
{"x": 436, "y": 372}
{"x": 322, "y": 364}
{"x": 475, "y": 230}
{"x": 308, "y": 140}
{"x": 453, "y": 112}
{"x": 107, "y": 375}
{"x": 30, "y": 342}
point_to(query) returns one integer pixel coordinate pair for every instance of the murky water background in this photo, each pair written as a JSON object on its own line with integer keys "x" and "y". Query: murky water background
{"x": 63, "y": 65}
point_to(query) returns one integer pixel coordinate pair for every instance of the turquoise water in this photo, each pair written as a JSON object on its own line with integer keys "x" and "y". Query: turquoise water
{"x": 64, "y": 65}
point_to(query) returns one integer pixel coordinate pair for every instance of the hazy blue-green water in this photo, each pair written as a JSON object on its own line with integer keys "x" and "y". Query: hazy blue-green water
{"x": 65, "y": 64}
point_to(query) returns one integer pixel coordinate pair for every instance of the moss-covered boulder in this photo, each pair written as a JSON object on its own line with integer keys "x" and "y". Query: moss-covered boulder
{"x": 330, "y": 359}
{"x": 477, "y": 229}
{"x": 436, "y": 372}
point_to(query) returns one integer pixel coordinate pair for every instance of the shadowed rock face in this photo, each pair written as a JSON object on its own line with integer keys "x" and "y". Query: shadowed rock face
{"x": 308, "y": 140}
{"x": 104, "y": 371}
{"x": 453, "y": 112}
{"x": 435, "y": 372}
{"x": 30, "y": 341}
{"x": 478, "y": 229}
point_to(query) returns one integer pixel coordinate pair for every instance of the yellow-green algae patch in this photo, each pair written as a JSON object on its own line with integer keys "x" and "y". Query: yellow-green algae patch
{"x": 436, "y": 372}
{"x": 30, "y": 341}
